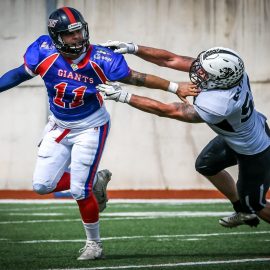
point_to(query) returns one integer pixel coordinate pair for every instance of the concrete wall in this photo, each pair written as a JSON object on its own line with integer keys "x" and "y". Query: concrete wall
{"x": 143, "y": 151}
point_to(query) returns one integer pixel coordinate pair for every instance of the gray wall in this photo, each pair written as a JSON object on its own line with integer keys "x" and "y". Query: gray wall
{"x": 143, "y": 151}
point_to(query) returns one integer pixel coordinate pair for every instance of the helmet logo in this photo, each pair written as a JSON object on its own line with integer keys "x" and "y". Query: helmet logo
{"x": 74, "y": 26}
{"x": 52, "y": 23}
{"x": 226, "y": 72}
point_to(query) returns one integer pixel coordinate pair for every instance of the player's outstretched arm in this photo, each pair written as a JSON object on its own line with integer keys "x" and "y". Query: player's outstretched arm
{"x": 13, "y": 78}
{"x": 165, "y": 58}
{"x": 157, "y": 56}
{"x": 179, "y": 111}
{"x": 182, "y": 90}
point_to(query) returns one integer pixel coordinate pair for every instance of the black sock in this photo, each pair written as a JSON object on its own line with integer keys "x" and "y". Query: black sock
{"x": 237, "y": 206}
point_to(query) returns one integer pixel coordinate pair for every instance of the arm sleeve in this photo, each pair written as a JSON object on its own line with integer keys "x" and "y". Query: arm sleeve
{"x": 13, "y": 78}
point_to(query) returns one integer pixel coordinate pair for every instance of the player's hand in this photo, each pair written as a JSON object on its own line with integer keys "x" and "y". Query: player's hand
{"x": 186, "y": 89}
{"x": 113, "y": 91}
{"x": 121, "y": 47}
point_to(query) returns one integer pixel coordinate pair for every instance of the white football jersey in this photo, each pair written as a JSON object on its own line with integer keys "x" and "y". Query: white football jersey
{"x": 231, "y": 114}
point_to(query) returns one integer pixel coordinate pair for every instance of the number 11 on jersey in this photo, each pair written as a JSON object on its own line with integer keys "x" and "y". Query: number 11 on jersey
{"x": 60, "y": 93}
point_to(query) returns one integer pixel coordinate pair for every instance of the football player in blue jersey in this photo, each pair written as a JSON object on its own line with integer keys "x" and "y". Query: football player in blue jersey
{"x": 75, "y": 136}
{"x": 226, "y": 104}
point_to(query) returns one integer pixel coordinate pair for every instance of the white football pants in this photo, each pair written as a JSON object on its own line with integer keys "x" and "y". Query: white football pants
{"x": 76, "y": 150}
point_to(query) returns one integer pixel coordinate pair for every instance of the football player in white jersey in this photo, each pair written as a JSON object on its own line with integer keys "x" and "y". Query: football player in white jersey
{"x": 226, "y": 105}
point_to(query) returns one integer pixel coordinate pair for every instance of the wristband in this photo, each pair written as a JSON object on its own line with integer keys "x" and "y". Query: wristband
{"x": 128, "y": 97}
{"x": 124, "y": 97}
{"x": 172, "y": 87}
{"x": 136, "y": 48}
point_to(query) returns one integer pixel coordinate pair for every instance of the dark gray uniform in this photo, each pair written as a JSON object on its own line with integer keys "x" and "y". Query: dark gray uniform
{"x": 243, "y": 139}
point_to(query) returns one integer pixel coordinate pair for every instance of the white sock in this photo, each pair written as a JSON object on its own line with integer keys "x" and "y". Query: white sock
{"x": 92, "y": 231}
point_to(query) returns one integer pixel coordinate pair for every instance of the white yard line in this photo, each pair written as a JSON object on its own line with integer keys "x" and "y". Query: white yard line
{"x": 40, "y": 221}
{"x": 164, "y": 236}
{"x": 128, "y": 215}
{"x": 171, "y": 264}
{"x": 36, "y": 214}
{"x": 49, "y": 207}
{"x": 167, "y": 214}
{"x": 155, "y": 201}
{"x": 41, "y": 201}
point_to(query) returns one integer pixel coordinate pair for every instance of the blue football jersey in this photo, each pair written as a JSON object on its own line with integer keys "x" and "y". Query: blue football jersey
{"x": 72, "y": 87}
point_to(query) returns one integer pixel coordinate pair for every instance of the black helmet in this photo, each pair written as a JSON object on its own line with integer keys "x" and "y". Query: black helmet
{"x": 68, "y": 19}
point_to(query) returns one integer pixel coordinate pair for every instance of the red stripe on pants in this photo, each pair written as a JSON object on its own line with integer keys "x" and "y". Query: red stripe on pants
{"x": 62, "y": 136}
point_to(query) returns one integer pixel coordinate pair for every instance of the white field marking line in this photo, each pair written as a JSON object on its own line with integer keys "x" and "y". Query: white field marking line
{"x": 70, "y": 220}
{"x": 187, "y": 239}
{"x": 144, "y": 237}
{"x": 36, "y": 214}
{"x": 112, "y": 201}
{"x": 40, "y": 221}
{"x": 131, "y": 215}
{"x": 170, "y": 264}
{"x": 167, "y": 214}
{"x": 51, "y": 207}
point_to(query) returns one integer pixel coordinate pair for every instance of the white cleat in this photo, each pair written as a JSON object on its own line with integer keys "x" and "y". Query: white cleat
{"x": 91, "y": 251}
{"x": 100, "y": 188}
{"x": 240, "y": 218}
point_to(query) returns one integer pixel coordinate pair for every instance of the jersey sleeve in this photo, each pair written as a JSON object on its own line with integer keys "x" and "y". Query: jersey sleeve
{"x": 116, "y": 69}
{"x": 212, "y": 106}
{"x": 32, "y": 58}
{"x": 209, "y": 117}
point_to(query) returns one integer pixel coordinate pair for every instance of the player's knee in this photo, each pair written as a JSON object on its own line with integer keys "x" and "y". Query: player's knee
{"x": 77, "y": 193}
{"x": 203, "y": 167}
{"x": 41, "y": 189}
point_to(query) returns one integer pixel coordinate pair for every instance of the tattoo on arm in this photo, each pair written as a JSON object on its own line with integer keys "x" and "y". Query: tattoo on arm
{"x": 188, "y": 113}
{"x": 135, "y": 78}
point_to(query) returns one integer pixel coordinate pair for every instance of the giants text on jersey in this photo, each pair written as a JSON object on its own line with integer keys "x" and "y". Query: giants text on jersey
{"x": 72, "y": 87}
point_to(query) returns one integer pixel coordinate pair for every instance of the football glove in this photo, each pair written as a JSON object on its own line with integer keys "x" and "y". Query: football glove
{"x": 121, "y": 47}
{"x": 113, "y": 91}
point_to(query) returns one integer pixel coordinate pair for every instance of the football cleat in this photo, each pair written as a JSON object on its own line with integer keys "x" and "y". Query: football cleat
{"x": 240, "y": 218}
{"x": 91, "y": 251}
{"x": 100, "y": 188}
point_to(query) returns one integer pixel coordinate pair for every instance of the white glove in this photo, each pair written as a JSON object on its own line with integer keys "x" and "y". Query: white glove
{"x": 121, "y": 47}
{"x": 113, "y": 91}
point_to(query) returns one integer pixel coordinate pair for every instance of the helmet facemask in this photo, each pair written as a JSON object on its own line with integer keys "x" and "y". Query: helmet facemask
{"x": 197, "y": 74}
{"x": 74, "y": 49}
